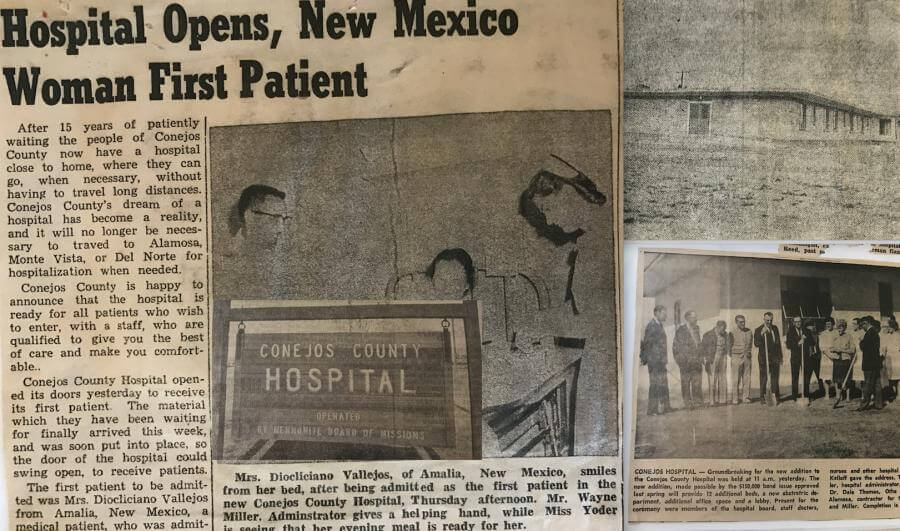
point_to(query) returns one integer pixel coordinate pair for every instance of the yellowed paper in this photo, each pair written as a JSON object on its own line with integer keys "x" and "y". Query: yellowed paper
{"x": 143, "y": 143}
{"x": 758, "y": 378}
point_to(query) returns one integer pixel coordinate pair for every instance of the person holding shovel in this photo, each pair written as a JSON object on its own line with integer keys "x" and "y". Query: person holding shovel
{"x": 871, "y": 365}
{"x": 767, "y": 340}
{"x": 842, "y": 353}
{"x": 796, "y": 343}
{"x": 825, "y": 338}
{"x": 812, "y": 358}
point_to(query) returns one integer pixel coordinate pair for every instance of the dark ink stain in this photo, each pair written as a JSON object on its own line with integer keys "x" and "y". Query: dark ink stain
{"x": 396, "y": 71}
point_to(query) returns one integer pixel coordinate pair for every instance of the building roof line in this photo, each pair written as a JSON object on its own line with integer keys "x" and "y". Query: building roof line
{"x": 796, "y": 95}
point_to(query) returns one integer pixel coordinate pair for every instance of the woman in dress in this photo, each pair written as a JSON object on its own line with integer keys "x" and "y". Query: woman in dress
{"x": 890, "y": 351}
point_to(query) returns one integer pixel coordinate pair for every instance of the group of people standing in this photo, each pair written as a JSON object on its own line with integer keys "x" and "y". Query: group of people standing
{"x": 871, "y": 345}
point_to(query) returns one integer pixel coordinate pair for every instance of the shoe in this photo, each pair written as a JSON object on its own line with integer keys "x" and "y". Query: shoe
{"x": 864, "y": 407}
{"x": 668, "y": 410}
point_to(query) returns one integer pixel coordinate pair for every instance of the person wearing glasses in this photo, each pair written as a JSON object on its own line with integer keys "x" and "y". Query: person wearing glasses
{"x": 259, "y": 218}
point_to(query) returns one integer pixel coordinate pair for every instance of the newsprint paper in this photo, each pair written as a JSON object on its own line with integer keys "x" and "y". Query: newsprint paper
{"x": 766, "y": 388}
{"x": 311, "y": 265}
{"x": 758, "y": 119}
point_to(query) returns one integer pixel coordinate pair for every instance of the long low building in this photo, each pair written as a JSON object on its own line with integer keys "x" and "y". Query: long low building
{"x": 762, "y": 114}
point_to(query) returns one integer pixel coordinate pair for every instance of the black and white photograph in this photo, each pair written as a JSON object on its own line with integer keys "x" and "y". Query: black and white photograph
{"x": 761, "y": 120}
{"x": 754, "y": 357}
{"x": 352, "y": 381}
{"x": 513, "y": 211}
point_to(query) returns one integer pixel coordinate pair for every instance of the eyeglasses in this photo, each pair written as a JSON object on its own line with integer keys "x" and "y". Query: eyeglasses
{"x": 280, "y": 217}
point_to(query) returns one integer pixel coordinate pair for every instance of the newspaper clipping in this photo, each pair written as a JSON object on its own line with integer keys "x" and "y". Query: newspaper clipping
{"x": 765, "y": 388}
{"x": 758, "y": 119}
{"x": 311, "y": 265}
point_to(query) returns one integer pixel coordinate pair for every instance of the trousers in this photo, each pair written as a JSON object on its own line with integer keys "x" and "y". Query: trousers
{"x": 659, "y": 389}
{"x": 691, "y": 386}
{"x": 810, "y": 367}
{"x": 764, "y": 379}
{"x": 872, "y": 389}
{"x": 741, "y": 368}
{"x": 719, "y": 380}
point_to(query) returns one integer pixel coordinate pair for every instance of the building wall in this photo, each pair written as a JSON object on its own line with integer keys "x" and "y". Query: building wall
{"x": 751, "y": 118}
{"x": 723, "y": 287}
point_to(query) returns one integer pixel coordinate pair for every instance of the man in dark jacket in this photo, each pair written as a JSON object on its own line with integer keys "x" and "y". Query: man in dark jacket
{"x": 655, "y": 357}
{"x": 871, "y": 365}
{"x": 687, "y": 354}
{"x": 767, "y": 339}
{"x": 796, "y": 340}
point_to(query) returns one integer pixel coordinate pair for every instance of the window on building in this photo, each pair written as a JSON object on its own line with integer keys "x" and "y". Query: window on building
{"x": 852, "y": 119}
{"x": 844, "y": 119}
{"x": 827, "y": 119}
{"x": 699, "y": 119}
{"x": 806, "y": 297}
{"x": 884, "y": 127}
{"x": 836, "y": 120}
{"x": 803, "y": 117}
{"x": 885, "y": 298}
{"x": 814, "y": 116}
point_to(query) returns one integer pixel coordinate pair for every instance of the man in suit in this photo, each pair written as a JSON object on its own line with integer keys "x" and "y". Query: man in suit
{"x": 767, "y": 340}
{"x": 715, "y": 347}
{"x": 655, "y": 357}
{"x": 797, "y": 342}
{"x": 812, "y": 363}
{"x": 794, "y": 341}
{"x": 870, "y": 345}
{"x": 687, "y": 354}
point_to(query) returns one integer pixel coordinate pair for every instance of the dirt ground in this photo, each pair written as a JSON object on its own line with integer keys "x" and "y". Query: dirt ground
{"x": 736, "y": 189}
{"x": 751, "y": 431}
